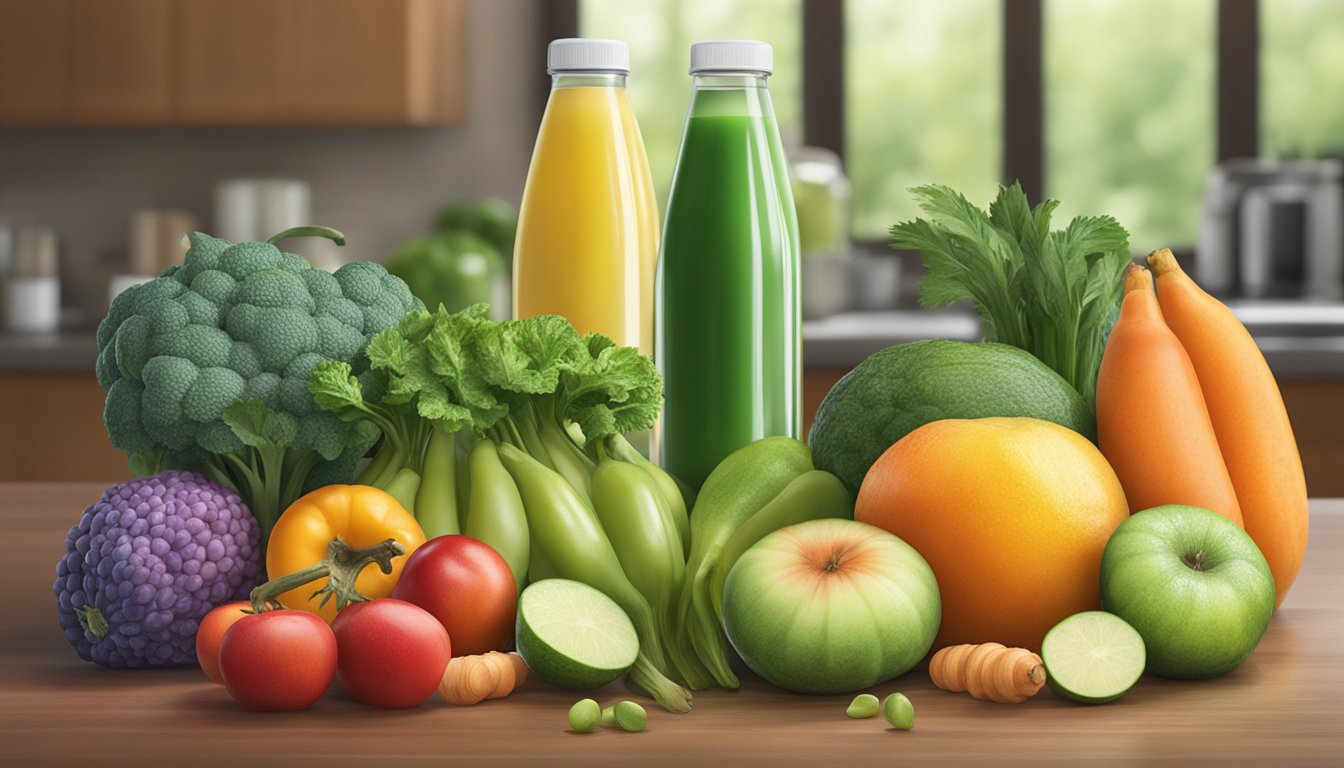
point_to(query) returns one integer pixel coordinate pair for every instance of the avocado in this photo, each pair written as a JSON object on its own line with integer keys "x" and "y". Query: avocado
{"x": 904, "y": 387}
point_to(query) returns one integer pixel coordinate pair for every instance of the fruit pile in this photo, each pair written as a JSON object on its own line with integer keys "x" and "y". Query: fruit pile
{"x": 1066, "y": 504}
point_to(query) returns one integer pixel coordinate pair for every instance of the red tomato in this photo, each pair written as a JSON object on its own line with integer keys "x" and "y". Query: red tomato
{"x": 467, "y": 586}
{"x": 278, "y": 660}
{"x": 211, "y": 632}
{"x": 392, "y": 653}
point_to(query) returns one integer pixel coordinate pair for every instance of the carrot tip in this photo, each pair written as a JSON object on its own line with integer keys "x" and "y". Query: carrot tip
{"x": 1138, "y": 278}
{"x": 1163, "y": 262}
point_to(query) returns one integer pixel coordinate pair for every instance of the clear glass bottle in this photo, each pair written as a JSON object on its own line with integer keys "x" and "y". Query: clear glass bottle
{"x": 587, "y": 239}
{"x": 728, "y": 298}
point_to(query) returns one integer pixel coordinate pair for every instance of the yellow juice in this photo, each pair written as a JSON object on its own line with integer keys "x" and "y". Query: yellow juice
{"x": 587, "y": 242}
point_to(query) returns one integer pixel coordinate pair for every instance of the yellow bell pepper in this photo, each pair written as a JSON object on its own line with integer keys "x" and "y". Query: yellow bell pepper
{"x": 358, "y": 516}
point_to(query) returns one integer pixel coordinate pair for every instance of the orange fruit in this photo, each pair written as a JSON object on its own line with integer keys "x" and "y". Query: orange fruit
{"x": 1011, "y": 514}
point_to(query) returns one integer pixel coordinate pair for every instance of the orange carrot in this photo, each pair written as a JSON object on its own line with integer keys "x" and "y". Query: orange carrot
{"x": 1152, "y": 423}
{"x": 1248, "y": 417}
{"x": 989, "y": 672}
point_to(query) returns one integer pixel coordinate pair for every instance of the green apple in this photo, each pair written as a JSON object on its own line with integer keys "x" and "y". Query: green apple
{"x": 1193, "y": 584}
{"x": 830, "y": 606}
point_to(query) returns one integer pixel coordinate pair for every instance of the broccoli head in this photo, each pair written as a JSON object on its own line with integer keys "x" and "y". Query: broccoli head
{"x": 206, "y": 367}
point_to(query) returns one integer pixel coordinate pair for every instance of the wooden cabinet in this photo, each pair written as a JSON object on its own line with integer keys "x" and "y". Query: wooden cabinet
{"x": 357, "y": 62}
{"x": 229, "y": 61}
{"x": 232, "y": 62}
{"x": 119, "y": 61}
{"x": 32, "y": 67}
{"x": 51, "y": 428}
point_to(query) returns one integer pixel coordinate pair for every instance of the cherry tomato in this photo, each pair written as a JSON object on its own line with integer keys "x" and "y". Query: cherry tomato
{"x": 211, "y": 632}
{"x": 278, "y": 660}
{"x": 469, "y": 589}
{"x": 392, "y": 653}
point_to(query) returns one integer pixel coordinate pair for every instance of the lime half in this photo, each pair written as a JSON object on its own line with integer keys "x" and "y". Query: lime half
{"x": 574, "y": 636}
{"x": 1093, "y": 657}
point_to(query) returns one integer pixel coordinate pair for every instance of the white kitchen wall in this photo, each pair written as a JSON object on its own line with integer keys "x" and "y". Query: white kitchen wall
{"x": 377, "y": 185}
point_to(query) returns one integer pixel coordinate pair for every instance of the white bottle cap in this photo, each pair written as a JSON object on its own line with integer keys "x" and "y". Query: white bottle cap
{"x": 732, "y": 56}
{"x": 578, "y": 54}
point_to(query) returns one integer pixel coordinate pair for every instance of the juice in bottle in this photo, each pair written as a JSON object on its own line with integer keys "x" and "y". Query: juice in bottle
{"x": 587, "y": 240}
{"x": 728, "y": 297}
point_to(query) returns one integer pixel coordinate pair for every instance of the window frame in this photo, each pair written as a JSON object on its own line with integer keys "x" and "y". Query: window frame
{"x": 1236, "y": 64}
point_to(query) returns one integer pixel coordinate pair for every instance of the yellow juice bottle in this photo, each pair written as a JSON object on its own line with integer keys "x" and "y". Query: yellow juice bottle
{"x": 587, "y": 243}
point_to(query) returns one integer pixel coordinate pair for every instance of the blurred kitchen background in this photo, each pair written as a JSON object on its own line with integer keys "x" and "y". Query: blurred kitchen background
{"x": 1214, "y": 127}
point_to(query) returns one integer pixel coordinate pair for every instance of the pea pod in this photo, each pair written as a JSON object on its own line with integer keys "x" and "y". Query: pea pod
{"x": 495, "y": 509}
{"x": 403, "y": 486}
{"x": 620, "y": 448}
{"x": 566, "y": 458}
{"x": 809, "y": 496}
{"x": 742, "y": 483}
{"x": 639, "y": 525}
{"x": 569, "y": 536}
{"x": 465, "y": 440}
{"x": 436, "y": 501}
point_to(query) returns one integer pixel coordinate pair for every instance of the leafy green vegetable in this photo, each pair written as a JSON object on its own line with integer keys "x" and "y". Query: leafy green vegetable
{"x": 528, "y": 383}
{"x": 1054, "y": 294}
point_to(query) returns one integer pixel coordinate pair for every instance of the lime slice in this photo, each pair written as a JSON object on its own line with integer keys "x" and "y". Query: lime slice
{"x": 574, "y": 636}
{"x": 1093, "y": 657}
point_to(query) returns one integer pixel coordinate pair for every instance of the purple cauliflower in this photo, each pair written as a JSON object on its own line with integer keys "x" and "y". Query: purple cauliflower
{"x": 147, "y": 562}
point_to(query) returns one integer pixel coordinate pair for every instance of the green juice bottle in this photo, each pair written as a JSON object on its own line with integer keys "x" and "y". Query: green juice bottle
{"x": 728, "y": 307}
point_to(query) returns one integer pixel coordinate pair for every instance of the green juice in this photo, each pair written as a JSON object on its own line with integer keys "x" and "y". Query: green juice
{"x": 728, "y": 308}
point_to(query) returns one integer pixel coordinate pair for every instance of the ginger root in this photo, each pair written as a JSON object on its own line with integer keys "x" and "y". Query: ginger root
{"x": 471, "y": 679}
{"x": 989, "y": 672}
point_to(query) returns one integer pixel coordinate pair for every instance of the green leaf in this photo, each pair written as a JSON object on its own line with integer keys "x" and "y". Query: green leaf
{"x": 618, "y": 390}
{"x": 1050, "y": 293}
{"x": 257, "y": 426}
{"x": 526, "y": 356}
{"x": 334, "y": 389}
{"x": 454, "y": 359}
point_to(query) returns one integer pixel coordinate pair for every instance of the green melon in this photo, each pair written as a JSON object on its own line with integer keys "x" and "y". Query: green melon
{"x": 904, "y": 387}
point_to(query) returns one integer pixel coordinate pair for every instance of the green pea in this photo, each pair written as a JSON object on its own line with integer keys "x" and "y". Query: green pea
{"x": 631, "y": 717}
{"x": 898, "y": 711}
{"x": 863, "y": 705}
{"x": 608, "y": 716}
{"x": 584, "y": 716}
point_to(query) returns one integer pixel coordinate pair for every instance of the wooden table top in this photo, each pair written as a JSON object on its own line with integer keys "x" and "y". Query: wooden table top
{"x": 1284, "y": 706}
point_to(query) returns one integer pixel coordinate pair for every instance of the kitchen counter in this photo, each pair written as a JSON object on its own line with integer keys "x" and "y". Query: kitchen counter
{"x": 1279, "y": 708}
{"x": 64, "y": 351}
{"x": 1300, "y": 339}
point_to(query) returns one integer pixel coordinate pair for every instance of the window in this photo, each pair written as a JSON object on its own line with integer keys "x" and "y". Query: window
{"x": 660, "y": 33}
{"x": 1302, "y": 78}
{"x": 922, "y": 99}
{"x": 1129, "y": 102}
{"x": 1118, "y": 100}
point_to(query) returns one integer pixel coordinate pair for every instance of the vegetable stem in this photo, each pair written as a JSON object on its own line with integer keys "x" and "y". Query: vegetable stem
{"x": 341, "y": 568}
{"x": 308, "y": 231}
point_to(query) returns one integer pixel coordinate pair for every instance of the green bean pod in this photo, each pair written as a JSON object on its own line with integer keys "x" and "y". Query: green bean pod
{"x": 742, "y": 483}
{"x": 465, "y": 440}
{"x": 621, "y": 448}
{"x": 566, "y": 458}
{"x": 568, "y": 534}
{"x": 436, "y": 501}
{"x": 639, "y": 525}
{"x": 809, "y": 496}
{"x": 403, "y": 487}
{"x": 495, "y": 512}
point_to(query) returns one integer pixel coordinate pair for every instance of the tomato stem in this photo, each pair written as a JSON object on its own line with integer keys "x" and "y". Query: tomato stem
{"x": 341, "y": 567}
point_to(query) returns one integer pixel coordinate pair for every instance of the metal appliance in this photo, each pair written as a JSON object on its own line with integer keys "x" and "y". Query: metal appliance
{"x": 1273, "y": 229}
